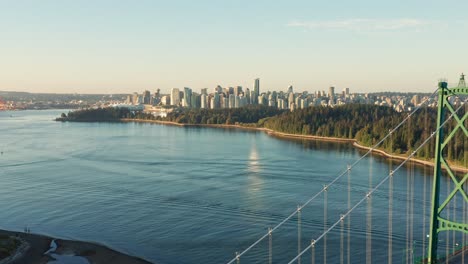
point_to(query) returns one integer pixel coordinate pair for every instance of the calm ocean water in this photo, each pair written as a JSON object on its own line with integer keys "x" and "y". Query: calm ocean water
{"x": 196, "y": 195}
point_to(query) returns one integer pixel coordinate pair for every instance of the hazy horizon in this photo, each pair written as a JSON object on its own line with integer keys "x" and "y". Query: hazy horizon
{"x": 211, "y": 89}
{"x": 112, "y": 47}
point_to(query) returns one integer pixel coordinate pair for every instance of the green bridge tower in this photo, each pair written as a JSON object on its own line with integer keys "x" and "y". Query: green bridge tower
{"x": 439, "y": 222}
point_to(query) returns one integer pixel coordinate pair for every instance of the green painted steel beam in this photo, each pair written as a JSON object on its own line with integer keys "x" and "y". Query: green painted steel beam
{"x": 438, "y": 223}
{"x": 433, "y": 237}
{"x": 456, "y": 91}
{"x": 447, "y": 225}
{"x": 458, "y": 188}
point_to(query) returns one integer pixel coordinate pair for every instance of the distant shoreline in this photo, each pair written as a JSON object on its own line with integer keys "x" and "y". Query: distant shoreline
{"x": 296, "y": 136}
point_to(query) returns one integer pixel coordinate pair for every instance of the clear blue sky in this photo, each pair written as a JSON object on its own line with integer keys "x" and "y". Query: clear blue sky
{"x": 114, "y": 46}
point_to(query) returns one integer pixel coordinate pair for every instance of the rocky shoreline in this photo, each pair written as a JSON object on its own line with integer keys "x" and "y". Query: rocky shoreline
{"x": 33, "y": 248}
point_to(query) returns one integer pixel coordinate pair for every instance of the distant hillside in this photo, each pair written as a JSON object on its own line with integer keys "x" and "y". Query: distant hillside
{"x": 45, "y": 97}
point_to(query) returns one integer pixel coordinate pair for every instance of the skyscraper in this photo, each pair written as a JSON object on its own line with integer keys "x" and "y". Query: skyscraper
{"x": 166, "y": 100}
{"x": 291, "y": 99}
{"x": 331, "y": 94}
{"x": 175, "y": 96}
{"x": 195, "y": 100}
{"x": 187, "y": 97}
{"x": 223, "y": 101}
{"x": 257, "y": 89}
{"x": 331, "y": 91}
{"x": 237, "y": 90}
{"x": 204, "y": 101}
{"x": 232, "y": 101}
{"x": 135, "y": 98}
{"x": 247, "y": 95}
{"x": 216, "y": 103}
{"x": 146, "y": 97}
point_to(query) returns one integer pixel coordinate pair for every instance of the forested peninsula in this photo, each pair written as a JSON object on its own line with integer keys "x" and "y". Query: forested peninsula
{"x": 366, "y": 124}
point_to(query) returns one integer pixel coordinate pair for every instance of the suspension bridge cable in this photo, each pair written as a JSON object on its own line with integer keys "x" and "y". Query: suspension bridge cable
{"x": 371, "y": 149}
{"x": 299, "y": 232}
{"x": 424, "y": 216}
{"x": 390, "y": 208}
{"x": 325, "y": 220}
{"x": 367, "y": 196}
{"x": 348, "y": 252}
{"x": 369, "y": 220}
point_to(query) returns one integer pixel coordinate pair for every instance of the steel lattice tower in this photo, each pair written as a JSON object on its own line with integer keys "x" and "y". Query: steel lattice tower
{"x": 438, "y": 223}
{"x": 461, "y": 83}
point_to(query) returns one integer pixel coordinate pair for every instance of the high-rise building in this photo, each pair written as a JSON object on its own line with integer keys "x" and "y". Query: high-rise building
{"x": 247, "y": 95}
{"x": 297, "y": 100}
{"x": 256, "y": 90}
{"x": 290, "y": 98}
{"x": 290, "y": 89}
{"x": 292, "y": 106}
{"x": 304, "y": 103}
{"x": 212, "y": 103}
{"x": 273, "y": 95}
{"x": 271, "y": 102}
{"x": 232, "y": 101}
{"x": 157, "y": 97}
{"x": 204, "y": 100}
{"x": 166, "y": 100}
{"x": 195, "y": 100}
{"x": 331, "y": 91}
{"x": 175, "y": 96}
{"x": 281, "y": 104}
{"x": 331, "y": 95}
{"x": 156, "y": 100}
{"x": 242, "y": 101}
{"x": 146, "y": 97}
{"x": 135, "y": 98}
{"x": 416, "y": 100}
{"x": 216, "y": 101}
{"x": 236, "y": 101}
{"x": 187, "y": 102}
{"x": 223, "y": 101}
{"x": 253, "y": 97}
{"x": 262, "y": 99}
{"x": 237, "y": 90}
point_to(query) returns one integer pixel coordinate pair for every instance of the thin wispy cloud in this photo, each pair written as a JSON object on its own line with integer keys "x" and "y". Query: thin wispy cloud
{"x": 363, "y": 24}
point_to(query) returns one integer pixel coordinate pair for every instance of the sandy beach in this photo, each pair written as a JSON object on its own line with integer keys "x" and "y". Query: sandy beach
{"x": 94, "y": 253}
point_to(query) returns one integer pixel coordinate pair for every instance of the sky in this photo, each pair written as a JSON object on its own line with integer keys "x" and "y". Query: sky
{"x": 126, "y": 46}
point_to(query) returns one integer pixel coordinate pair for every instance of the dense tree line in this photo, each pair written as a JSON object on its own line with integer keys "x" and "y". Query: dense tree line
{"x": 368, "y": 124}
{"x": 108, "y": 114}
{"x": 249, "y": 114}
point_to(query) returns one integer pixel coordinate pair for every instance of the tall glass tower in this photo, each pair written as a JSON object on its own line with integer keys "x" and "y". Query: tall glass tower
{"x": 256, "y": 90}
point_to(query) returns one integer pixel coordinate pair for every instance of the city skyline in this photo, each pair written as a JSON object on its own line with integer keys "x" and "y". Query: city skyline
{"x": 120, "y": 47}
